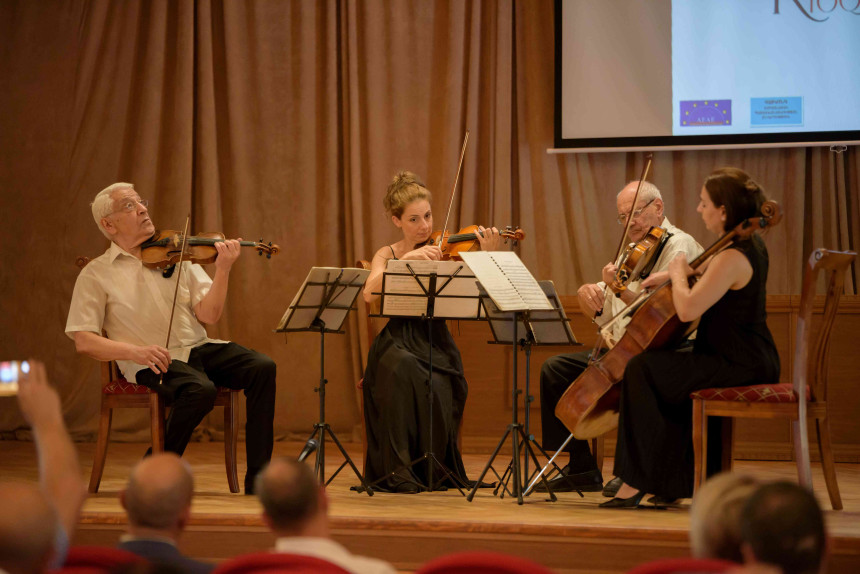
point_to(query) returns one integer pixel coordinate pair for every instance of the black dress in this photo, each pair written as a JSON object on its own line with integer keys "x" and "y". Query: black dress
{"x": 397, "y": 403}
{"x": 733, "y": 347}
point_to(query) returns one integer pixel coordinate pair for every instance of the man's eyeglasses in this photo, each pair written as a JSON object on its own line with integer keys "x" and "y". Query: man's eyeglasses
{"x": 131, "y": 205}
{"x": 622, "y": 217}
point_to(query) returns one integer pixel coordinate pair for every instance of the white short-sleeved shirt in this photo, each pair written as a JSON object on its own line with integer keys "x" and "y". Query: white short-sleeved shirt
{"x": 132, "y": 304}
{"x": 679, "y": 242}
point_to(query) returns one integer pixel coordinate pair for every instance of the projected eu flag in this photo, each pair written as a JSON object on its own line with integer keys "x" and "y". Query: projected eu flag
{"x": 706, "y": 113}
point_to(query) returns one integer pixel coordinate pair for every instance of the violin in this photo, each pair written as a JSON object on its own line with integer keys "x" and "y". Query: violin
{"x": 639, "y": 258}
{"x": 467, "y": 240}
{"x": 165, "y": 248}
{"x": 619, "y": 282}
{"x": 589, "y": 406}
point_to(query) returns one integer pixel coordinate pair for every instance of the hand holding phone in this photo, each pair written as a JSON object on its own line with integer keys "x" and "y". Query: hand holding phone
{"x": 10, "y": 372}
{"x": 38, "y": 400}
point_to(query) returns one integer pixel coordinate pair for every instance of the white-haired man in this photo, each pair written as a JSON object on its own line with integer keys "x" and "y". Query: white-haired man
{"x": 557, "y": 373}
{"x": 132, "y": 304}
{"x": 157, "y": 500}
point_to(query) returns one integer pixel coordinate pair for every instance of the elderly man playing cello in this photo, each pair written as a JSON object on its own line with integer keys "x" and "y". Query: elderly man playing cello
{"x": 557, "y": 373}
{"x": 133, "y": 303}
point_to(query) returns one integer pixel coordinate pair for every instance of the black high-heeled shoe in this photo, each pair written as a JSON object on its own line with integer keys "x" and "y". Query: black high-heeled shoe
{"x": 632, "y": 502}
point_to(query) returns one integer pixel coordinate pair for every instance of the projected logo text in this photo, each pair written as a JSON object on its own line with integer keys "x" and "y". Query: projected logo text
{"x": 820, "y": 8}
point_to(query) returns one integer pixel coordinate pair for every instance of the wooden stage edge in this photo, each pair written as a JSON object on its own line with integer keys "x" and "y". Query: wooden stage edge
{"x": 570, "y": 535}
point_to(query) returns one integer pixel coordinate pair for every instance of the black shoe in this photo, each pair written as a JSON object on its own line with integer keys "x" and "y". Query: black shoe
{"x": 632, "y": 502}
{"x": 664, "y": 502}
{"x": 611, "y": 488}
{"x": 590, "y": 481}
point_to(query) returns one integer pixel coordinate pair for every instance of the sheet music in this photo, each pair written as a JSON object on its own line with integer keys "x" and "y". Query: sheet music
{"x": 546, "y": 327}
{"x": 507, "y": 280}
{"x": 305, "y": 305}
{"x": 456, "y": 289}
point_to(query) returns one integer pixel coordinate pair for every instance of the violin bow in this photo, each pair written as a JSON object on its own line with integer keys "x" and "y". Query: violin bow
{"x": 454, "y": 189}
{"x": 176, "y": 288}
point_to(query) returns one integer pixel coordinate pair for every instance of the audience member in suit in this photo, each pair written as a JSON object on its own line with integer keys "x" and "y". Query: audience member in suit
{"x": 782, "y": 526}
{"x": 295, "y": 509}
{"x": 157, "y": 500}
{"x": 715, "y": 516}
{"x": 36, "y": 522}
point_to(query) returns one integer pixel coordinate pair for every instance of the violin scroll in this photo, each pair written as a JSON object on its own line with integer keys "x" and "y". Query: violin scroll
{"x": 268, "y": 248}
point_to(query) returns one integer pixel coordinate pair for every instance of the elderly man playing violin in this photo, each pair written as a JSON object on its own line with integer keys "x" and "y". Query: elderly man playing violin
{"x": 131, "y": 303}
{"x": 596, "y": 301}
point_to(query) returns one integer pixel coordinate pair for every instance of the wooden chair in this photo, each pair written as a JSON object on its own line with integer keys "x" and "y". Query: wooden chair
{"x": 117, "y": 392}
{"x": 782, "y": 400}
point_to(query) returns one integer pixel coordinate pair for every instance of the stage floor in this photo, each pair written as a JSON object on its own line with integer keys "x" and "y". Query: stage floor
{"x": 569, "y": 535}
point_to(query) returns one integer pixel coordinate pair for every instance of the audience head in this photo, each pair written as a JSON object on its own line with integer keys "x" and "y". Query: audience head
{"x": 403, "y": 190}
{"x": 28, "y": 525}
{"x": 158, "y": 494}
{"x": 291, "y": 496}
{"x": 737, "y": 192}
{"x": 782, "y": 525}
{"x": 715, "y": 516}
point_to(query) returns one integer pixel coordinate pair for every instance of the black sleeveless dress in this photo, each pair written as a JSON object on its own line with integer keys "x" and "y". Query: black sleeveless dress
{"x": 733, "y": 347}
{"x": 397, "y": 407}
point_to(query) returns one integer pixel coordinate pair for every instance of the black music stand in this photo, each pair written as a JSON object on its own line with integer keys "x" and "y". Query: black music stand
{"x": 506, "y": 279}
{"x": 429, "y": 290}
{"x": 540, "y": 328}
{"x": 321, "y": 305}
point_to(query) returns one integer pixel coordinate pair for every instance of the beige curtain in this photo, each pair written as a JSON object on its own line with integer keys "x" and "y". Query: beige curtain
{"x": 285, "y": 121}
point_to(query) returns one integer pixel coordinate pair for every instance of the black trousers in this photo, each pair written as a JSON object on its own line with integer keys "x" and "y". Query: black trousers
{"x": 556, "y": 375}
{"x": 190, "y": 389}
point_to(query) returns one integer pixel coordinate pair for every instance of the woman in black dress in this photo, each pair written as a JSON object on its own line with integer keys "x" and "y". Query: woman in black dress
{"x": 733, "y": 347}
{"x": 396, "y": 402}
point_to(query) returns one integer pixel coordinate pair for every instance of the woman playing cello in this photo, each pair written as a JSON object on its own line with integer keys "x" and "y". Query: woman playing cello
{"x": 733, "y": 347}
{"x": 396, "y": 407}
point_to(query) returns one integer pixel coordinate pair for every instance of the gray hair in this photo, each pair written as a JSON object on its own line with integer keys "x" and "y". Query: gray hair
{"x": 102, "y": 205}
{"x": 648, "y": 192}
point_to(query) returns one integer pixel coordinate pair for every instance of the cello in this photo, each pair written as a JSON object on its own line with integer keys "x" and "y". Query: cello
{"x": 589, "y": 407}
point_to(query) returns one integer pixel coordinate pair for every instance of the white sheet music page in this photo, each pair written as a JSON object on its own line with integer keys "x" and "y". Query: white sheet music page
{"x": 507, "y": 280}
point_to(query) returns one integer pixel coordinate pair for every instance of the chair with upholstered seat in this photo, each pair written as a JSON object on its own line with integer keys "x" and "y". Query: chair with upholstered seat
{"x": 117, "y": 392}
{"x": 805, "y": 397}
{"x": 97, "y": 559}
{"x": 264, "y": 562}
{"x": 481, "y": 562}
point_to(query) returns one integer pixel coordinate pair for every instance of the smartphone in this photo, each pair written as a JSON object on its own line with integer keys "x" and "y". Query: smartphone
{"x": 10, "y": 371}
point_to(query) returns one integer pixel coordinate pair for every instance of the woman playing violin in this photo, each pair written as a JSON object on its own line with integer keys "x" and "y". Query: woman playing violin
{"x": 396, "y": 408}
{"x": 733, "y": 347}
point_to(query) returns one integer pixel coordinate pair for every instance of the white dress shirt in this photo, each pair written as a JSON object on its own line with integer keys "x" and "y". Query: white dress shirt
{"x": 132, "y": 303}
{"x": 680, "y": 242}
{"x": 331, "y": 551}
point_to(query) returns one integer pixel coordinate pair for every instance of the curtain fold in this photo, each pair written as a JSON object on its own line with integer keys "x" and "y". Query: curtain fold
{"x": 285, "y": 121}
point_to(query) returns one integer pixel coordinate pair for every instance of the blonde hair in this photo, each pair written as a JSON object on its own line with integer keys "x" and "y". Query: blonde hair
{"x": 715, "y": 516}
{"x": 403, "y": 190}
{"x": 102, "y": 204}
